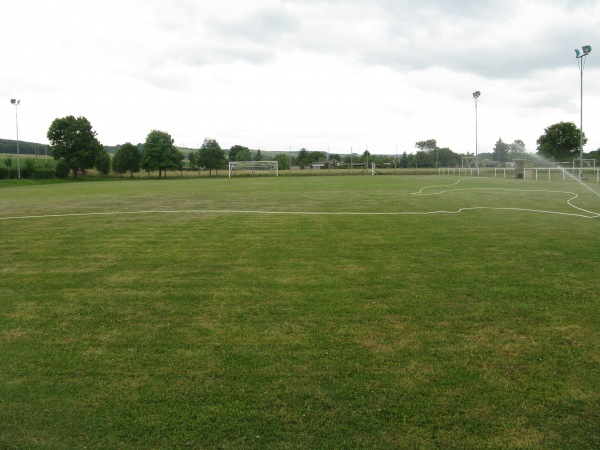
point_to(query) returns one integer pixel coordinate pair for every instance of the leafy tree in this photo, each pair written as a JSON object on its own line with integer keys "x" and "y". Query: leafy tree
{"x": 423, "y": 159}
{"x": 244, "y": 155}
{"x": 517, "y": 150}
{"x": 8, "y": 164}
{"x": 211, "y": 155}
{"x": 128, "y": 157}
{"x": 258, "y": 156}
{"x": 500, "y": 151}
{"x": 303, "y": 158}
{"x": 595, "y": 154}
{"x": 62, "y": 169}
{"x": 103, "y": 162}
{"x": 234, "y": 150}
{"x": 283, "y": 161}
{"x": 427, "y": 146}
{"x": 404, "y": 160}
{"x": 28, "y": 168}
{"x": 160, "y": 154}
{"x": 446, "y": 157}
{"x": 73, "y": 140}
{"x": 316, "y": 156}
{"x": 560, "y": 141}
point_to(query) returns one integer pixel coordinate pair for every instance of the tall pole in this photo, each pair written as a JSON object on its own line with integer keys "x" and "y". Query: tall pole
{"x": 581, "y": 57}
{"x": 16, "y": 103}
{"x": 476, "y": 95}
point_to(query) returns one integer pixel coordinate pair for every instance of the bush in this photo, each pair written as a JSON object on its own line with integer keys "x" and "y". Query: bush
{"x": 43, "y": 173}
{"x": 62, "y": 169}
{"x": 28, "y": 169}
{"x": 4, "y": 173}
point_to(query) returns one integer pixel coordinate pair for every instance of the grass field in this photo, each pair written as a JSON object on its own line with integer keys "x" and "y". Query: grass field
{"x": 300, "y": 312}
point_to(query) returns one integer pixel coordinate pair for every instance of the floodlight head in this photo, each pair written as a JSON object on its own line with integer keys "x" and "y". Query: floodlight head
{"x": 586, "y": 49}
{"x": 577, "y": 53}
{"x": 13, "y": 101}
{"x": 476, "y": 94}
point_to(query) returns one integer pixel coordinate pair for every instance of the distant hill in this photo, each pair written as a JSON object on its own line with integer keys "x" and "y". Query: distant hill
{"x": 25, "y": 148}
{"x": 9, "y": 146}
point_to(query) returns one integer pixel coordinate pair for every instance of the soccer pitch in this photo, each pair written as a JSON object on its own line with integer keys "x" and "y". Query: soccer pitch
{"x": 300, "y": 312}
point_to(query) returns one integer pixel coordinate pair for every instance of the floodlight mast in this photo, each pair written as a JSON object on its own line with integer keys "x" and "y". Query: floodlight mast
{"x": 476, "y": 95}
{"x": 16, "y": 102}
{"x": 581, "y": 57}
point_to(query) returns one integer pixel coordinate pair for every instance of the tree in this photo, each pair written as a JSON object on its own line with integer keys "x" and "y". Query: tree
{"x": 560, "y": 141}
{"x": 446, "y": 157}
{"x": 8, "y": 164}
{"x": 500, "y": 151}
{"x": 128, "y": 157}
{"x": 103, "y": 162}
{"x": 427, "y": 146}
{"x": 62, "y": 169}
{"x": 303, "y": 158}
{"x": 234, "y": 150}
{"x": 283, "y": 161}
{"x": 73, "y": 140}
{"x": 517, "y": 150}
{"x": 258, "y": 156}
{"x": 404, "y": 160}
{"x": 594, "y": 154}
{"x": 423, "y": 159}
{"x": 160, "y": 154}
{"x": 211, "y": 155}
{"x": 244, "y": 155}
{"x": 316, "y": 156}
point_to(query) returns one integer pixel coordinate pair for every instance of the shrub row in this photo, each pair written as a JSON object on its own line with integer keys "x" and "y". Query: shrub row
{"x": 29, "y": 169}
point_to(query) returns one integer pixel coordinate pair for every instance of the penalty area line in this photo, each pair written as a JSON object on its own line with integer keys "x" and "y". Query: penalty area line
{"x": 590, "y": 215}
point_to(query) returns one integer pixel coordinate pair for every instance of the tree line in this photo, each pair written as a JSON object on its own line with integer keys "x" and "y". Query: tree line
{"x": 74, "y": 144}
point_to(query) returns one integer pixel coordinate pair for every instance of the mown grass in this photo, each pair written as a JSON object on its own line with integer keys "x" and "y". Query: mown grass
{"x": 259, "y": 330}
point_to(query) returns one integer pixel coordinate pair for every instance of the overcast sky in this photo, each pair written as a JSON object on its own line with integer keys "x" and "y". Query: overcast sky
{"x": 286, "y": 74}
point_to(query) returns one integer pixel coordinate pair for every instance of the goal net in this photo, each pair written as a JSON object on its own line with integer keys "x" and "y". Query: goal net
{"x": 254, "y": 167}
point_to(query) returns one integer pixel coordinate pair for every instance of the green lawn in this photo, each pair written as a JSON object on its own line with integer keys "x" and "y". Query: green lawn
{"x": 300, "y": 312}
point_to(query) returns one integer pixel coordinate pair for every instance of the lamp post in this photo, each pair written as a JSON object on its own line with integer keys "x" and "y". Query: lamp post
{"x": 16, "y": 103}
{"x": 581, "y": 57}
{"x": 476, "y": 95}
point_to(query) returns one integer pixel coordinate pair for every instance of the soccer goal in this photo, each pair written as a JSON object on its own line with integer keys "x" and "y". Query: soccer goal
{"x": 252, "y": 167}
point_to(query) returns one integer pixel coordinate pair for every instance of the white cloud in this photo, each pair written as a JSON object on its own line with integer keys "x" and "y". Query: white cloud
{"x": 321, "y": 73}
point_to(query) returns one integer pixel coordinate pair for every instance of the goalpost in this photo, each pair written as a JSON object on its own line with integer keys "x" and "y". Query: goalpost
{"x": 253, "y": 166}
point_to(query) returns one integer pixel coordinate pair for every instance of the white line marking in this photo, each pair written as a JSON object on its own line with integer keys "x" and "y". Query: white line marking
{"x": 587, "y": 215}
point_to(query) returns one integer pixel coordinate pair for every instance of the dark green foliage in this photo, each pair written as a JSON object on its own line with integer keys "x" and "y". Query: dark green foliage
{"x": 25, "y": 148}
{"x": 427, "y": 146}
{"x": 560, "y": 142}
{"x": 28, "y": 168}
{"x": 62, "y": 169}
{"x": 283, "y": 161}
{"x": 43, "y": 173}
{"x": 4, "y": 173}
{"x": 103, "y": 162}
{"x": 501, "y": 150}
{"x": 211, "y": 156}
{"x": 303, "y": 158}
{"x": 73, "y": 140}
{"x": 127, "y": 158}
{"x": 404, "y": 160}
{"x": 160, "y": 154}
{"x": 233, "y": 151}
{"x": 243, "y": 155}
